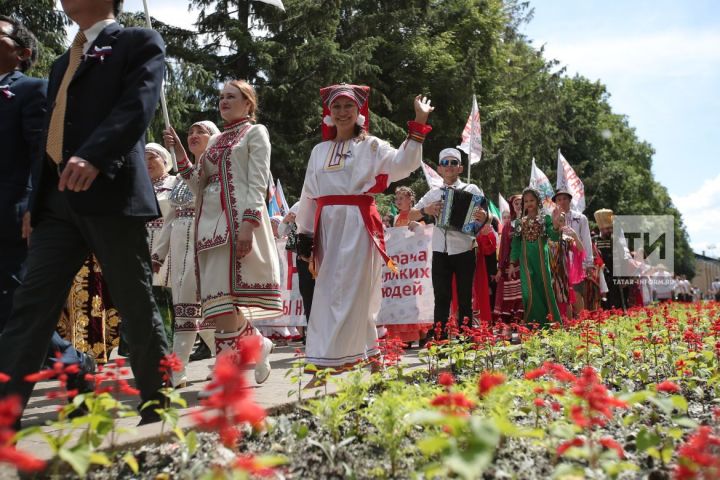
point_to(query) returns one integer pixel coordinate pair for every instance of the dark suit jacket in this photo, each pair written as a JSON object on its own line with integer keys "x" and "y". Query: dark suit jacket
{"x": 21, "y": 121}
{"x": 110, "y": 103}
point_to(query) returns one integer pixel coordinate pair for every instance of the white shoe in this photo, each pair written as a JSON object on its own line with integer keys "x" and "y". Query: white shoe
{"x": 262, "y": 368}
{"x": 179, "y": 380}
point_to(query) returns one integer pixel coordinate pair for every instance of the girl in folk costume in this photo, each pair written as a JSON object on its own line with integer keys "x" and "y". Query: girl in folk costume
{"x": 339, "y": 229}
{"x": 404, "y": 200}
{"x": 175, "y": 251}
{"x": 529, "y": 248}
{"x": 237, "y": 261}
{"x": 159, "y": 163}
{"x": 412, "y": 332}
{"x": 509, "y": 306}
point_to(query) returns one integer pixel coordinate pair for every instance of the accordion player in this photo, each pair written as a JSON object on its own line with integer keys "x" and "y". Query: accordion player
{"x": 459, "y": 209}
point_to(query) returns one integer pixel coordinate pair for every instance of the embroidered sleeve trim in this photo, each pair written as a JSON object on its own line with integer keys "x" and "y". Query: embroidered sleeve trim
{"x": 252, "y": 216}
{"x": 185, "y": 167}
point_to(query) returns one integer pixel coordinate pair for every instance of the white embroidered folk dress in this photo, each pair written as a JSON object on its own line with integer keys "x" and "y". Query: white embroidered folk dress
{"x": 229, "y": 182}
{"x": 347, "y": 294}
{"x": 175, "y": 250}
{"x": 162, "y": 187}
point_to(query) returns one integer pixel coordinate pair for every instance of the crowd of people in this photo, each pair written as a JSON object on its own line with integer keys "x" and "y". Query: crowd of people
{"x": 94, "y": 214}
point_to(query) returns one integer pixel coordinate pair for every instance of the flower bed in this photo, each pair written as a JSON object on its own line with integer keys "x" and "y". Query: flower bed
{"x": 610, "y": 395}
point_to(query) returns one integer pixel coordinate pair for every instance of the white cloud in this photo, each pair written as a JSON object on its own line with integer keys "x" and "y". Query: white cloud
{"x": 701, "y": 213}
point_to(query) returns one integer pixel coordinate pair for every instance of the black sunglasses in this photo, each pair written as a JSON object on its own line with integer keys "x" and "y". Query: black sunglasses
{"x": 449, "y": 162}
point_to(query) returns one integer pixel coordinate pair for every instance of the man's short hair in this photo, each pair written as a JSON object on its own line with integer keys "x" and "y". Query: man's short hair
{"x": 24, "y": 39}
{"x": 117, "y": 7}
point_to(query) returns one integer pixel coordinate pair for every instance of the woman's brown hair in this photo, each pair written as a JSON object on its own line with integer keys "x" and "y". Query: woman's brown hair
{"x": 248, "y": 91}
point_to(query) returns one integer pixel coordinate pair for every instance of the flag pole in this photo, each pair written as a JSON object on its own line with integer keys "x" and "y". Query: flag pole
{"x": 472, "y": 139}
{"x": 163, "y": 101}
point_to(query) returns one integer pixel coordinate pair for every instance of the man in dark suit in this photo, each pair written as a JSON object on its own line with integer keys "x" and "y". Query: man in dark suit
{"x": 22, "y": 109}
{"x": 93, "y": 194}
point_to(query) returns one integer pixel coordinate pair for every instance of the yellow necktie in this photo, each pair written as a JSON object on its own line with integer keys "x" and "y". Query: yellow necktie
{"x": 57, "y": 119}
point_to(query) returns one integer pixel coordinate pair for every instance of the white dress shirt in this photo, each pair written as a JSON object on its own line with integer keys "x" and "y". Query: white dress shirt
{"x": 92, "y": 33}
{"x": 451, "y": 242}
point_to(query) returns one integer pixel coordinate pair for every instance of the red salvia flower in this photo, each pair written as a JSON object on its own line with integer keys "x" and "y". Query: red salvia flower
{"x": 611, "y": 444}
{"x": 453, "y": 403}
{"x": 10, "y": 410}
{"x": 667, "y": 387}
{"x": 565, "y": 446}
{"x": 391, "y": 351}
{"x": 231, "y": 403}
{"x": 446, "y": 379}
{"x": 596, "y": 398}
{"x": 168, "y": 364}
{"x": 535, "y": 374}
{"x": 489, "y": 380}
{"x": 699, "y": 456}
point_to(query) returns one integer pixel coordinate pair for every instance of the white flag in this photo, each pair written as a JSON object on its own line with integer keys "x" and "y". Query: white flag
{"x": 472, "y": 135}
{"x": 503, "y": 204}
{"x": 539, "y": 181}
{"x": 433, "y": 178}
{"x": 568, "y": 180}
{"x": 275, "y": 3}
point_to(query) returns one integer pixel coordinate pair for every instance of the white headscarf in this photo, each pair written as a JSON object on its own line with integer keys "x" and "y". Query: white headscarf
{"x": 164, "y": 154}
{"x": 209, "y": 126}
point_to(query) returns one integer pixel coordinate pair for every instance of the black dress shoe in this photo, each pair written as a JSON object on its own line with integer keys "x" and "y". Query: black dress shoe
{"x": 201, "y": 352}
{"x": 148, "y": 416}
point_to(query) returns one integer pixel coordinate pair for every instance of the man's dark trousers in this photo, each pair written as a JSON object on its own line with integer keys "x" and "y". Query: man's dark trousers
{"x": 443, "y": 268}
{"x": 306, "y": 284}
{"x": 59, "y": 244}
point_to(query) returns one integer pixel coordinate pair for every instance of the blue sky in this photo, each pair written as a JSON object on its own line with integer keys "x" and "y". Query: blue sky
{"x": 660, "y": 61}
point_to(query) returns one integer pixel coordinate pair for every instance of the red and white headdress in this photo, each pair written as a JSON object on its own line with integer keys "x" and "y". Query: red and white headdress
{"x": 360, "y": 94}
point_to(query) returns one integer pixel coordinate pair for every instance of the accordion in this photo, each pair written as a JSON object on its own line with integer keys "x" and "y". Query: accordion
{"x": 458, "y": 211}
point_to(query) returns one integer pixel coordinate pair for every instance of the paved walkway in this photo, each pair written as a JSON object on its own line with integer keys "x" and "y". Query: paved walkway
{"x": 274, "y": 393}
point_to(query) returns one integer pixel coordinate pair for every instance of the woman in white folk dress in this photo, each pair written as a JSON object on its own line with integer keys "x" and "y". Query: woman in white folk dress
{"x": 175, "y": 250}
{"x": 238, "y": 267}
{"x": 159, "y": 164}
{"x": 339, "y": 228}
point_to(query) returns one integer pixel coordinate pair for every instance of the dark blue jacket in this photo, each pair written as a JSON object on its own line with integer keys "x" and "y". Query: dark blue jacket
{"x": 110, "y": 103}
{"x": 21, "y": 121}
